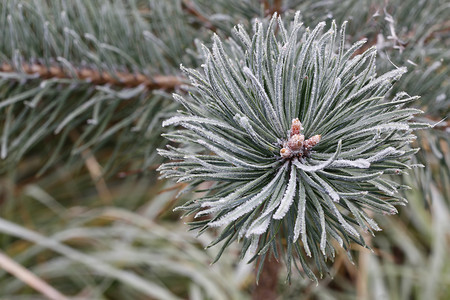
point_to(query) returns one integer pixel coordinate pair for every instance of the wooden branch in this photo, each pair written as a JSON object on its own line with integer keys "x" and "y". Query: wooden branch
{"x": 120, "y": 79}
{"x": 438, "y": 30}
{"x": 190, "y": 8}
{"x": 266, "y": 287}
{"x": 372, "y": 41}
{"x": 95, "y": 171}
{"x": 276, "y": 7}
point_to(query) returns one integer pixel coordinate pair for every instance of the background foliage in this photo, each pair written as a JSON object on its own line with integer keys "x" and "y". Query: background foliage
{"x": 80, "y": 205}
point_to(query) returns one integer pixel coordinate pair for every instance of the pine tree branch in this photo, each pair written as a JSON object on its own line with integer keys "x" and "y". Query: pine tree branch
{"x": 439, "y": 29}
{"x": 119, "y": 79}
{"x": 257, "y": 159}
{"x": 124, "y": 174}
{"x": 266, "y": 288}
{"x": 95, "y": 171}
{"x": 191, "y": 9}
{"x": 271, "y": 9}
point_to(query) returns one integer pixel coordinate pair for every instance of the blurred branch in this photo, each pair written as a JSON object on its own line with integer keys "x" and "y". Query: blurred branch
{"x": 124, "y": 174}
{"x": 438, "y": 30}
{"x": 270, "y": 9}
{"x": 29, "y": 278}
{"x": 98, "y": 265}
{"x": 363, "y": 273}
{"x": 95, "y": 171}
{"x": 191, "y": 9}
{"x": 266, "y": 287}
{"x": 120, "y": 79}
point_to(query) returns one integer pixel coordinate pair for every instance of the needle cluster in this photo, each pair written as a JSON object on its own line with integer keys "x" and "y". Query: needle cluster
{"x": 293, "y": 136}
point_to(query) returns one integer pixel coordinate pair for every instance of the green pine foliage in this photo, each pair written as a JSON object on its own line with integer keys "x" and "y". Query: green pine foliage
{"x": 72, "y": 37}
{"x": 84, "y": 89}
{"x": 238, "y": 118}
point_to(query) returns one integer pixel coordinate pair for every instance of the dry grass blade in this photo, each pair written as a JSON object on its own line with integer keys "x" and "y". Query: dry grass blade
{"x": 10, "y": 266}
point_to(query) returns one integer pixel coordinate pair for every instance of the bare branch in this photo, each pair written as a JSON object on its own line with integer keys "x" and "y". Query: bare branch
{"x": 266, "y": 287}
{"x": 275, "y": 7}
{"x": 120, "y": 79}
{"x": 190, "y": 8}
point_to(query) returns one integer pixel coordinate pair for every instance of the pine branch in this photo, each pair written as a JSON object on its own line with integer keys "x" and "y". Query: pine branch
{"x": 76, "y": 63}
{"x": 121, "y": 126}
{"x": 298, "y": 133}
{"x": 266, "y": 287}
{"x": 189, "y": 6}
{"x": 275, "y": 7}
{"x": 117, "y": 79}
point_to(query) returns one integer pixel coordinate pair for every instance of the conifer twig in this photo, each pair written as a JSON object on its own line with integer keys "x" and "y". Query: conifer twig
{"x": 438, "y": 29}
{"x": 127, "y": 173}
{"x": 190, "y": 8}
{"x": 266, "y": 288}
{"x": 263, "y": 145}
{"x": 120, "y": 79}
{"x": 95, "y": 171}
{"x": 271, "y": 9}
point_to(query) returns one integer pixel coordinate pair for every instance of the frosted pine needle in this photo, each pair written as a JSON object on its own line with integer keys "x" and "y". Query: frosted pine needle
{"x": 295, "y": 133}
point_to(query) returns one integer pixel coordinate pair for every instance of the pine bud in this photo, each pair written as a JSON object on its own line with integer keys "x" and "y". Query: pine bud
{"x": 295, "y": 143}
{"x": 285, "y": 153}
{"x": 296, "y": 127}
{"x": 312, "y": 141}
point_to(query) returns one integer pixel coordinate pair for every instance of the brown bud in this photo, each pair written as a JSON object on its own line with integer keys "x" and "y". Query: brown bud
{"x": 296, "y": 127}
{"x": 312, "y": 141}
{"x": 296, "y": 142}
{"x": 285, "y": 153}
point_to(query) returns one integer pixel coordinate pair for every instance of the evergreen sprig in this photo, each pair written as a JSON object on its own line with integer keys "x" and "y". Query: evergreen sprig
{"x": 83, "y": 73}
{"x": 241, "y": 118}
